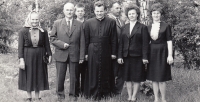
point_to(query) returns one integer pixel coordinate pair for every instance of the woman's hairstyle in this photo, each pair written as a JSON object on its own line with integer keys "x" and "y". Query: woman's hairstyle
{"x": 157, "y": 7}
{"x": 133, "y": 7}
{"x": 99, "y": 4}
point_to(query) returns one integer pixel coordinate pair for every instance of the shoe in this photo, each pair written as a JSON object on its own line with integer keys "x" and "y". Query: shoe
{"x": 28, "y": 100}
{"x": 38, "y": 99}
{"x": 164, "y": 101}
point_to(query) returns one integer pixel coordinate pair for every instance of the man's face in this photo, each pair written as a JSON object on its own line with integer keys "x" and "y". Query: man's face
{"x": 116, "y": 9}
{"x": 99, "y": 12}
{"x": 68, "y": 10}
{"x": 80, "y": 12}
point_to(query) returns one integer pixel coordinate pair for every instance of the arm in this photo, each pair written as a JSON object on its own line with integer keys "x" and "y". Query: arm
{"x": 54, "y": 38}
{"x": 21, "y": 44}
{"x": 47, "y": 46}
{"x": 120, "y": 51}
{"x": 114, "y": 39}
{"x": 169, "y": 45}
{"x": 87, "y": 37}
{"x": 145, "y": 43}
{"x": 120, "y": 47}
{"x": 21, "y": 50}
{"x": 82, "y": 43}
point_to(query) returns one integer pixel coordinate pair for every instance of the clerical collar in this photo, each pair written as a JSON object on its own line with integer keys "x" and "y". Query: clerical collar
{"x": 100, "y": 19}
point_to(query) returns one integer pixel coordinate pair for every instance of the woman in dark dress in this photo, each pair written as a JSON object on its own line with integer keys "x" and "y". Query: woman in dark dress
{"x": 159, "y": 70}
{"x": 32, "y": 48}
{"x": 133, "y": 50}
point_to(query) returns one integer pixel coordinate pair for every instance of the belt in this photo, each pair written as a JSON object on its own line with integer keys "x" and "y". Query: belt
{"x": 99, "y": 39}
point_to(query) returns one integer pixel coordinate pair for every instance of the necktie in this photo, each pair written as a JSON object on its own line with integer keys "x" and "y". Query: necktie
{"x": 118, "y": 22}
{"x": 68, "y": 26}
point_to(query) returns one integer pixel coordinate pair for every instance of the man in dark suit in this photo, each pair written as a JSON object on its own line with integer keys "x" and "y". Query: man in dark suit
{"x": 115, "y": 12}
{"x": 68, "y": 38}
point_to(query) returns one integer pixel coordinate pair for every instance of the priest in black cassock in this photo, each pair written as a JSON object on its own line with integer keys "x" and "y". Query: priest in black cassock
{"x": 101, "y": 42}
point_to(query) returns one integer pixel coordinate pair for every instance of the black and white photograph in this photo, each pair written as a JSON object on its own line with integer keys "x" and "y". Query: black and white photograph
{"x": 99, "y": 50}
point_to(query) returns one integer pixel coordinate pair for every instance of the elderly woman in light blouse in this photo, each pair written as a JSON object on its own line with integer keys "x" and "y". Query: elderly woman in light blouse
{"x": 34, "y": 53}
{"x": 133, "y": 51}
{"x": 159, "y": 70}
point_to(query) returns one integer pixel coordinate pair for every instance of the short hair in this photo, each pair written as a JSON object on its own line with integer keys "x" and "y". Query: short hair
{"x": 113, "y": 2}
{"x": 80, "y": 5}
{"x": 157, "y": 7}
{"x": 132, "y": 7}
{"x": 99, "y": 4}
{"x": 67, "y": 4}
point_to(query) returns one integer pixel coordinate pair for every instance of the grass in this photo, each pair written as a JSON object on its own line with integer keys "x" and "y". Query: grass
{"x": 185, "y": 86}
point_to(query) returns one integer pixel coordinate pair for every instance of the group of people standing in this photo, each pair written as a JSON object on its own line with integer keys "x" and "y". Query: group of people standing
{"x": 103, "y": 50}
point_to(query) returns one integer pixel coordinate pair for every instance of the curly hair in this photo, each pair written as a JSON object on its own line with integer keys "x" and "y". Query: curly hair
{"x": 133, "y": 7}
{"x": 157, "y": 7}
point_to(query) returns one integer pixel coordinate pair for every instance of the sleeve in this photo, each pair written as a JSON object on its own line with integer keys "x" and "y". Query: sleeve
{"x": 82, "y": 43}
{"x": 168, "y": 33}
{"x": 145, "y": 42}
{"x": 120, "y": 47}
{"x": 54, "y": 38}
{"x": 47, "y": 45}
{"x": 87, "y": 36}
{"x": 114, "y": 38}
{"x": 21, "y": 44}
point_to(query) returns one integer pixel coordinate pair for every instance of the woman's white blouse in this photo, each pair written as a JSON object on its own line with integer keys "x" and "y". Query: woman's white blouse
{"x": 155, "y": 30}
{"x": 132, "y": 24}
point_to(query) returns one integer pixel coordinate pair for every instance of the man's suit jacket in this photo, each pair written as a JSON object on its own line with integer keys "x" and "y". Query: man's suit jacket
{"x": 75, "y": 38}
{"x": 134, "y": 44}
{"x": 119, "y": 27}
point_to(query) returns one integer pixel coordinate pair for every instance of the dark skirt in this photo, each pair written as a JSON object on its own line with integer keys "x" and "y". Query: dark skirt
{"x": 158, "y": 69}
{"x": 134, "y": 69}
{"x": 35, "y": 75}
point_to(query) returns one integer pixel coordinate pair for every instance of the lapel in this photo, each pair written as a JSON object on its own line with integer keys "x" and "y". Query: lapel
{"x": 135, "y": 28}
{"x": 74, "y": 23}
{"x": 64, "y": 25}
{"x": 113, "y": 17}
{"x": 161, "y": 27}
{"x": 128, "y": 30}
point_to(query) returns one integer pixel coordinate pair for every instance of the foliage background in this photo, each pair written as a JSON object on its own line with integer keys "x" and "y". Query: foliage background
{"x": 182, "y": 15}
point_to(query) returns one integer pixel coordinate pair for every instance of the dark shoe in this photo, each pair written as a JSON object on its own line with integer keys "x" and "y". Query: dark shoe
{"x": 28, "y": 100}
{"x": 38, "y": 99}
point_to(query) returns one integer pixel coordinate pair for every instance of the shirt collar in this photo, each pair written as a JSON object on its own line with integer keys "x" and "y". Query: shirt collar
{"x": 69, "y": 19}
{"x": 114, "y": 16}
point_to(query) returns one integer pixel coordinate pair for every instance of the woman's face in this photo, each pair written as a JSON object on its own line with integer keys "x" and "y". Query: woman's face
{"x": 132, "y": 15}
{"x": 34, "y": 20}
{"x": 156, "y": 15}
